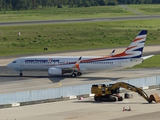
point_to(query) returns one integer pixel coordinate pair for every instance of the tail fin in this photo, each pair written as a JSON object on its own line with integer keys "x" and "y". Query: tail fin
{"x": 135, "y": 49}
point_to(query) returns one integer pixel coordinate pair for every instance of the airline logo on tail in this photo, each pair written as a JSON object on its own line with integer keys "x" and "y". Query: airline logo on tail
{"x": 135, "y": 49}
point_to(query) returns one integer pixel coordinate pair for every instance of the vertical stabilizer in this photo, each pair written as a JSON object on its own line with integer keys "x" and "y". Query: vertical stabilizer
{"x": 135, "y": 49}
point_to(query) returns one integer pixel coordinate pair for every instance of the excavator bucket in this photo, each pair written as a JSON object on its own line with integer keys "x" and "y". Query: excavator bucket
{"x": 155, "y": 97}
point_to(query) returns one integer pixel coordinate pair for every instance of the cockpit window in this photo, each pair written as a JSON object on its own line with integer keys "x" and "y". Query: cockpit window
{"x": 14, "y": 61}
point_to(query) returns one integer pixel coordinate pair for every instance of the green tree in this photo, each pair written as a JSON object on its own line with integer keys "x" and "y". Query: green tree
{"x": 155, "y": 1}
{"x": 87, "y": 3}
{"x": 64, "y": 2}
{"x": 112, "y": 2}
{"x": 1, "y": 6}
{"x": 124, "y": 1}
{"x": 103, "y": 2}
{"x": 92, "y": 3}
{"x": 39, "y": 2}
{"x": 49, "y": 3}
{"x": 79, "y": 3}
{"x": 44, "y": 3}
{"x": 147, "y": 1}
{"x": 18, "y": 4}
{"x": 71, "y": 4}
{"x": 29, "y": 4}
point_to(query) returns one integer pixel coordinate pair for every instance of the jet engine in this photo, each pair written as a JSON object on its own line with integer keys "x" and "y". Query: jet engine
{"x": 54, "y": 71}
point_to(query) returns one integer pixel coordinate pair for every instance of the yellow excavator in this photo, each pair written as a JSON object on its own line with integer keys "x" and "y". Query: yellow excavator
{"x": 110, "y": 92}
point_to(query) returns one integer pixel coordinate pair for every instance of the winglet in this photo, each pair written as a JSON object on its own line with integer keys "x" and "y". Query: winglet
{"x": 112, "y": 53}
{"x": 77, "y": 64}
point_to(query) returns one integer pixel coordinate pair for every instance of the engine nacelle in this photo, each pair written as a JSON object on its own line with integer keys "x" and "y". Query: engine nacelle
{"x": 54, "y": 71}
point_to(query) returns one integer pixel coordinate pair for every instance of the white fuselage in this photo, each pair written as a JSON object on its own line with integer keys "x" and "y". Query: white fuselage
{"x": 44, "y": 63}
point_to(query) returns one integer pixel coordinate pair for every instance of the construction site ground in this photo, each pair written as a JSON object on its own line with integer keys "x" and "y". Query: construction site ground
{"x": 87, "y": 109}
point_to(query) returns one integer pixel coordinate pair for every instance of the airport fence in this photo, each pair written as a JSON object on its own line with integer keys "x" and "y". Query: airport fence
{"x": 35, "y": 95}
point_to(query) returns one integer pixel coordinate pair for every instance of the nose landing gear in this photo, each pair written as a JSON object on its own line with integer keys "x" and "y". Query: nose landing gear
{"x": 20, "y": 74}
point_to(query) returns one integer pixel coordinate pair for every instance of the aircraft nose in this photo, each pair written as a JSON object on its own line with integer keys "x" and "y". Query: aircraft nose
{"x": 9, "y": 65}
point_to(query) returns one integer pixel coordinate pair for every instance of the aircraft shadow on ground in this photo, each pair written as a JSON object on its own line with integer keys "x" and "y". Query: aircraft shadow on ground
{"x": 26, "y": 77}
{"x": 59, "y": 78}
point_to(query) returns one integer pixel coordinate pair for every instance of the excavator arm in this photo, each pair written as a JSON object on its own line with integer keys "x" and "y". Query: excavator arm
{"x": 129, "y": 87}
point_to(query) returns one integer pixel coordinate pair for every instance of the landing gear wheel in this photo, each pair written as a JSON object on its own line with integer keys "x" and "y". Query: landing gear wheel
{"x": 79, "y": 74}
{"x": 20, "y": 74}
{"x": 73, "y": 75}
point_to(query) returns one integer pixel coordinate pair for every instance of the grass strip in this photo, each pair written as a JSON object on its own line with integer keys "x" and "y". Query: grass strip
{"x": 74, "y": 36}
{"x": 152, "y": 62}
{"x": 64, "y": 13}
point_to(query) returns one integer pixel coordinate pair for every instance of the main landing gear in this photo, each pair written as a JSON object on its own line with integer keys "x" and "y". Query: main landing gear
{"x": 76, "y": 74}
{"x": 20, "y": 74}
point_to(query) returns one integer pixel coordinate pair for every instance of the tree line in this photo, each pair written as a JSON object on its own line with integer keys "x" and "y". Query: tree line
{"x": 32, "y": 4}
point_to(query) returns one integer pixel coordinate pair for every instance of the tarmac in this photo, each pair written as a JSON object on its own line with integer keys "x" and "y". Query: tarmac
{"x": 87, "y": 109}
{"x": 40, "y": 80}
{"x": 136, "y": 17}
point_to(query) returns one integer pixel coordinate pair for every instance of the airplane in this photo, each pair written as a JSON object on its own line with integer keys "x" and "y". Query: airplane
{"x": 77, "y": 65}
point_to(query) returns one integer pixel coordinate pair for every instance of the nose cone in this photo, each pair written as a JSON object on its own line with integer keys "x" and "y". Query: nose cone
{"x": 9, "y": 65}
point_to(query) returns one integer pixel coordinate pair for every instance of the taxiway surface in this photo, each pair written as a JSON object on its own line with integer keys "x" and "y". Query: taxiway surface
{"x": 140, "y": 17}
{"x": 11, "y": 82}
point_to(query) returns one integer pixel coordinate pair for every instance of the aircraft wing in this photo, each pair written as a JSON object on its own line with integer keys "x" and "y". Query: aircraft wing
{"x": 146, "y": 57}
{"x": 75, "y": 67}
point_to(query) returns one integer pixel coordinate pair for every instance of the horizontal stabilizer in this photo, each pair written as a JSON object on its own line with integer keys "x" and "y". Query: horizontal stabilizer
{"x": 146, "y": 57}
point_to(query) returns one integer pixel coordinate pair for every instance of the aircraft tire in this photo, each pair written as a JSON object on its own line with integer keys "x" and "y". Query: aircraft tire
{"x": 20, "y": 74}
{"x": 79, "y": 74}
{"x": 73, "y": 75}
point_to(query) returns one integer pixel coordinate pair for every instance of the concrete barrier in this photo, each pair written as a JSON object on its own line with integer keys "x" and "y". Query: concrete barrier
{"x": 72, "y": 97}
{"x": 145, "y": 88}
{"x": 154, "y": 86}
{"x": 5, "y": 106}
{"x": 15, "y": 104}
{"x": 44, "y": 101}
{"x": 91, "y": 95}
